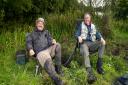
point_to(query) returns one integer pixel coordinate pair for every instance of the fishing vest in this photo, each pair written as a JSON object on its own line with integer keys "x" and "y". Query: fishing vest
{"x": 84, "y": 31}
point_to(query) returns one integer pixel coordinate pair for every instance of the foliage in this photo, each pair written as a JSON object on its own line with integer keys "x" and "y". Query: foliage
{"x": 13, "y": 74}
{"x": 120, "y": 9}
{"x": 27, "y": 9}
{"x": 60, "y": 17}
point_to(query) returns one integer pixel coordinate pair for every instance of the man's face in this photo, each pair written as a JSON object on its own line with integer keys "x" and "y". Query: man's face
{"x": 40, "y": 25}
{"x": 87, "y": 19}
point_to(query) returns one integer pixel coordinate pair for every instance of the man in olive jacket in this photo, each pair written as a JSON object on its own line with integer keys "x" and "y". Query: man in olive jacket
{"x": 41, "y": 44}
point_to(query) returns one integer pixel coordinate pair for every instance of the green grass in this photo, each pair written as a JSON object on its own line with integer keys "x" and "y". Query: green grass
{"x": 13, "y": 40}
{"x": 13, "y": 74}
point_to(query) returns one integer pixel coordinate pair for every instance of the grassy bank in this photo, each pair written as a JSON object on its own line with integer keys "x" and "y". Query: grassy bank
{"x": 62, "y": 28}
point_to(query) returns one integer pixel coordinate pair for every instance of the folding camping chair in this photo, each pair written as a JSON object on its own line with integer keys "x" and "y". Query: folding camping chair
{"x": 77, "y": 46}
{"x": 37, "y": 66}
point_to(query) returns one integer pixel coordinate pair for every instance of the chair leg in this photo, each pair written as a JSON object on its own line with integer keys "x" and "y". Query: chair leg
{"x": 36, "y": 70}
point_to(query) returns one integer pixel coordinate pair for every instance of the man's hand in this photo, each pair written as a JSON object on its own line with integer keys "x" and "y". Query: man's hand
{"x": 80, "y": 39}
{"x": 31, "y": 52}
{"x": 53, "y": 41}
{"x": 103, "y": 41}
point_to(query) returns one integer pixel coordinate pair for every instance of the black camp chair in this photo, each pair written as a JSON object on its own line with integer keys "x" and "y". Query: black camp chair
{"x": 77, "y": 46}
{"x": 72, "y": 54}
{"x": 37, "y": 66}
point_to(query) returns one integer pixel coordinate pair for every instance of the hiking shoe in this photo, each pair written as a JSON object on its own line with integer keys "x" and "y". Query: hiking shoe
{"x": 58, "y": 82}
{"x": 99, "y": 66}
{"x": 49, "y": 68}
{"x": 58, "y": 69}
{"x": 90, "y": 77}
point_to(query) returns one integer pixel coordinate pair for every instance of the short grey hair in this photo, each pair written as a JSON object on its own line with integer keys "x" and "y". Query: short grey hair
{"x": 40, "y": 20}
{"x": 87, "y": 14}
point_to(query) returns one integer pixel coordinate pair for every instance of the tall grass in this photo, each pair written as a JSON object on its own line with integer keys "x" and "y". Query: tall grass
{"x": 62, "y": 28}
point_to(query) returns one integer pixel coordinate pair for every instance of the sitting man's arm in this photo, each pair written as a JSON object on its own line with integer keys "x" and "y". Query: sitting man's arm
{"x": 51, "y": 41}
{"x": 100, "y": 38}
{"x": 78, "y": 33}
{"x": 29, "y": 45}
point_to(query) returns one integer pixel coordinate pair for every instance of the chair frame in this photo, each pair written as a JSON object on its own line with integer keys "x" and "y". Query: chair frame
{"x": 37, "y": 66}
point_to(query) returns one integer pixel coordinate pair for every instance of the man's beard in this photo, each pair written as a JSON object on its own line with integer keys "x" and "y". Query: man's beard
{"x": 40, "y": 28}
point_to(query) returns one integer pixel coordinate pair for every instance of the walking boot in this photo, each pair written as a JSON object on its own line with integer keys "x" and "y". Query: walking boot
{"x": 50, "y": 69}
{"x": 99, "y": 66}
{"x": 90, "y": 76}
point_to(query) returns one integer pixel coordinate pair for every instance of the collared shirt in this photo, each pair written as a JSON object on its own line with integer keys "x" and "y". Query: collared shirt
{"x": 89, "y": 35}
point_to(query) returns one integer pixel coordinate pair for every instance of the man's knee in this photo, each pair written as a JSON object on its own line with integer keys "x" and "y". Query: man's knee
{"x": 58, "y": 47}
{"x": 103, "y": 42}
{"x": 84, "y": 50}
{"x": 42, "y": 57}
{"x": 86, "y": 53}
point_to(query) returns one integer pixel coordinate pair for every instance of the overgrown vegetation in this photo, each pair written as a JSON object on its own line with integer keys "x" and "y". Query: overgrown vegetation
{"x": 61, "y": 18}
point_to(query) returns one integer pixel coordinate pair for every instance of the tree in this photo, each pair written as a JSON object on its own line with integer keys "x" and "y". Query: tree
{"x": 15, "y": 8}
{"x": 121, "y": 9}
{"x": 20, "y": 9}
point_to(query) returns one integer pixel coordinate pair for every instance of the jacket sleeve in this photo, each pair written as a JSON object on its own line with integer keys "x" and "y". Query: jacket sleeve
{"x": 98, "y": 36}
{"x": 49, "y": 38}
{"x": 78, "y": 31}
{"x": 29, "y": 41}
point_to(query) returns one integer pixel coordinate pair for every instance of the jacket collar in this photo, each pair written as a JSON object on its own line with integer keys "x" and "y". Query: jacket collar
{"x": 87, "y": 25}
{"x": 36, "y": 30}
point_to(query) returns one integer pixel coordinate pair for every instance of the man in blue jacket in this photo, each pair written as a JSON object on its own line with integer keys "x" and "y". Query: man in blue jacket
{"x": 90, "y": 40}
{"x": 41, "y": 44}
